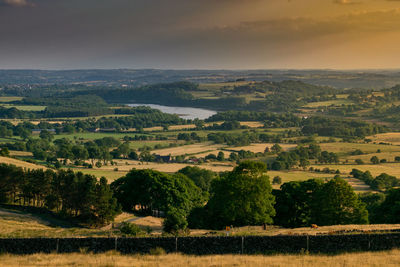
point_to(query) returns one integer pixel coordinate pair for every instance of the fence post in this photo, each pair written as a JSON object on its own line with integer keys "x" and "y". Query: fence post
{"x": 308, "y": 243}
{"x": 176, "y": 244}
{"x": 242, "y": 244}
{"x": 369, "y": 241}
{"x": 115, "y": 243}
{"x": 57, "y": 245}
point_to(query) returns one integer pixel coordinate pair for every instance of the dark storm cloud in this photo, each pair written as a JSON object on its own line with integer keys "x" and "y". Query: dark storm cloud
{"x": 16, "y": 3}
{"x": 160, "y": 33}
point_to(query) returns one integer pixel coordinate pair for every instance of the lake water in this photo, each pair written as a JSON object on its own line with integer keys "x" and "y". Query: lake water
{"x": 183, "y": 112}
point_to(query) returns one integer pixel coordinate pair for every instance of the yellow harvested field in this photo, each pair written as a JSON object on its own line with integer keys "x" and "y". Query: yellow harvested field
{"x": 20, "y": 163}
{"x": 188, "y": 149}
{"x": 174, "y": 167}
{"x": 381, "y": 258}
{"x": 252, "y": 124}
{"x": 393, "y": 138}
{"x": 214, "y": 152}
{"x": 21, "y": 153}
{"x": 172, "y": 127}
{"x": 260, "y": 147}
{"x": 126, "y": 165}
{"x": 182, "y": 127}
{"x": 375, "y": 169}
{"x": 50, "y": 122}
{"x": 149, "y": 221}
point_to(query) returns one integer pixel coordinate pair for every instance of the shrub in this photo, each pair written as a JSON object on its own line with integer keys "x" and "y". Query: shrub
{"x": 359, "y": 161}
{"x": 157, "y": 251}
{"x": 130, "y": 229}
{"x": 174, "y": 221}
{"x": 277, "y": 180}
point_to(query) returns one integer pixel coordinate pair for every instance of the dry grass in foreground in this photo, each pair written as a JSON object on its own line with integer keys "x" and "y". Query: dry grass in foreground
{"x": 385, "y": 258}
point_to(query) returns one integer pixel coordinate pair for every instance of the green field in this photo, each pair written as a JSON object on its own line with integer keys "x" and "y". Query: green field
{"x": 92, "y": 136}
{"x": 337, "y": 102}
{"x": 346, "y": 148}
{"x": 24, "y": 108}
{"x": 109, "y": 174}
{"x": 5, "y": 99}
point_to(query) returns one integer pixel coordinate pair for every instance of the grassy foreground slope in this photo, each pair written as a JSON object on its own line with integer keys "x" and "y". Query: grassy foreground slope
{"x": 15, "y": 223}
{"x": 386, "y": 258}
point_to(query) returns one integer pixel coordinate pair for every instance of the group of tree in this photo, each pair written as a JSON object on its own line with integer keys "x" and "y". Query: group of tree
{"x": 148, "y": 191}
{"x": 325, "y": 126}
{"x": 301, "y": 156}
{"x": 381, "y": 182}
{"x": 76, "y": 196}
{"x": 309, "y": 202}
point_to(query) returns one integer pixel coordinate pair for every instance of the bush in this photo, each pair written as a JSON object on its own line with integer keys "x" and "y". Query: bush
{"x": 174, "y": 221}
{"x": 277, "y": 180}
{"x": 157, "y": 251}
{"x": 359, "y": 161}
{"x": 130, "y": 229}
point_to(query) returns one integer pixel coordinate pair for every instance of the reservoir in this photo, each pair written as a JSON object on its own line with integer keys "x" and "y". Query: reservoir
{"x": 182, "y": 112}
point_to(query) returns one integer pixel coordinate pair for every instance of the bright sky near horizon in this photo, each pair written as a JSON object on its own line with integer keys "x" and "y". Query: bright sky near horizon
{"x": 192, "y": 34}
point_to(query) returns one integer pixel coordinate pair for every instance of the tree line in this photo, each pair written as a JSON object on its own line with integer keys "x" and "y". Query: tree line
{"x": 75, "y": 196}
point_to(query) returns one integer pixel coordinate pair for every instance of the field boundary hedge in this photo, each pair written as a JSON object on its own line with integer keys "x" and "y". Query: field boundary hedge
{"x": 207, "y": 245}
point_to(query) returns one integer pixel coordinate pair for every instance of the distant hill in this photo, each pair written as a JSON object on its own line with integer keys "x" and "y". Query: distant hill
{"x": 127, "y": 77}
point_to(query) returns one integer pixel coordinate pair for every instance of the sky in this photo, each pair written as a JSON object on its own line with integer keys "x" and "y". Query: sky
{"x": 200, "y": 34}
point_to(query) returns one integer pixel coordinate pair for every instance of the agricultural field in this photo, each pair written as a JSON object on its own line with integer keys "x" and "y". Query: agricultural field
{"x": 343, "y": 148}
{"x": 188, "y": 149}
{"x": 391, "y": 138}
{"x": 260, "y": 147}
{"x": 338, "y": 102}
{"x": 20, "y": 163}
{"x": 24, "y": 108}
{"x": 6, "y": 99}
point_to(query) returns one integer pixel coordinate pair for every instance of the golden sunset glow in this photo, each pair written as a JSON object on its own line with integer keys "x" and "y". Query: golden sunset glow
{"x": 200, "y": 34}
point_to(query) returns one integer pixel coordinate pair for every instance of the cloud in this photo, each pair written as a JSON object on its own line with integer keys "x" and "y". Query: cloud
{"x": 347, "y": 2}
{"x": 16, "y": 3}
